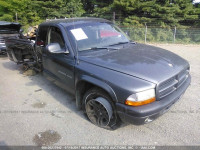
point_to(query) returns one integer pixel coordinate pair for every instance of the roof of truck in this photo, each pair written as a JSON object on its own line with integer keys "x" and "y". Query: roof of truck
{"x": 74, "y": 20}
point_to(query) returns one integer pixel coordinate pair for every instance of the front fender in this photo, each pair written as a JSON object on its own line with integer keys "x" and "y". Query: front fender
{"x": 95, "y": 82}
{"x": 102, "y": 85}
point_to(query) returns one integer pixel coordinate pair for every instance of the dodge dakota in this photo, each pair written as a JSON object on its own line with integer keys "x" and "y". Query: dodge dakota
{"x": 112, "y": 77}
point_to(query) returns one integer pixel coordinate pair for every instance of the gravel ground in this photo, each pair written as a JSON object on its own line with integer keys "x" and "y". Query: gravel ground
{"x": 35, "y": 111}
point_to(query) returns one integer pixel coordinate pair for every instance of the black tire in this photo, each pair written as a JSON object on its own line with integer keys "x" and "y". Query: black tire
{"x": 98, "y": 105}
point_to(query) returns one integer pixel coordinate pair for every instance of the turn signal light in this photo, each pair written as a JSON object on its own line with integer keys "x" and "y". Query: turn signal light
{"x": 139, "y": 103}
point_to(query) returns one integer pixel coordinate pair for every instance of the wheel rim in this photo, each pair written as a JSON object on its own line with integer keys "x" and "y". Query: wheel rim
{"x": 98, "y": 113}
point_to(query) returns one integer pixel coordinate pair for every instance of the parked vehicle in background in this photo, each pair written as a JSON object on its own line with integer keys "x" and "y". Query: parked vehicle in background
{"x": 7, "y": 30}
{"x": 111, "y": 77}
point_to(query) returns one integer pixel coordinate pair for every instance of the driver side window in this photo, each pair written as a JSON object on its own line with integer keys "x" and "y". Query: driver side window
{"x": 55, "y": 36}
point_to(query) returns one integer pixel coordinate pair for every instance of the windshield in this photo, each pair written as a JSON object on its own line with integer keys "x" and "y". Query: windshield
{"x": 95, "y": 35}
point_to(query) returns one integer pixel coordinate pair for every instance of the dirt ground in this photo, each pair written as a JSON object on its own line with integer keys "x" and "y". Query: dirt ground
{"x": 34, "y": 111}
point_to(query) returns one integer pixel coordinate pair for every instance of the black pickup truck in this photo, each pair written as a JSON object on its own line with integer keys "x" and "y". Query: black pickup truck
{"x": 111, "y": 77}
{"x": 8, "y": 30}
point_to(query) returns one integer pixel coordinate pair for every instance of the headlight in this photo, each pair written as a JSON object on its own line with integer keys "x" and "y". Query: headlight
{"x": 141, "y": 98}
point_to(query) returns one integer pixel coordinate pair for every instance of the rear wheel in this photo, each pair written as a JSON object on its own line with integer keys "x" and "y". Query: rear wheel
{"x": 100, "y": 109}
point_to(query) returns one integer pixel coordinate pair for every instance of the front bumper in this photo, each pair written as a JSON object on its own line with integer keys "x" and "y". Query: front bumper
{"x": 147, "y": 113}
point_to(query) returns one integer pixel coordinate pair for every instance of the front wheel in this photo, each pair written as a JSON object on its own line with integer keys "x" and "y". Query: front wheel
{"x": 100, "y": 109}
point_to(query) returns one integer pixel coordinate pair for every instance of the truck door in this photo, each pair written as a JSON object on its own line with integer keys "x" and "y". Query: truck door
{"x": 59, "y": 66}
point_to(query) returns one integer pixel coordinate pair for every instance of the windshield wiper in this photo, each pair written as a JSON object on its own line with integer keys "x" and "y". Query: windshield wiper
{"x": 108, "y": 48}
{"x": 122, "y": 43}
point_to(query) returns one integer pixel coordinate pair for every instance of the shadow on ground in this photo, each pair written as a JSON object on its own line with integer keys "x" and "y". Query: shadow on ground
{"x": 49, "y": 86}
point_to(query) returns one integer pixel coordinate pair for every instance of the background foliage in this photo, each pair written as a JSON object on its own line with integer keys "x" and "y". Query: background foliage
{"x": 161, "y": 16}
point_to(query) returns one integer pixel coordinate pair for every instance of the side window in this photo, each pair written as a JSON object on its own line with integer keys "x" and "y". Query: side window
{"x": 55, "y": 36}
{"x": 42, "y": 35}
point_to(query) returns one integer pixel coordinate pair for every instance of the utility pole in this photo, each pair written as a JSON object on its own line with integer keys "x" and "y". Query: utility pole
{"x": 16, "y": 17}
{"x": 145, "y": 40}
{"x": 174, "y": 34}
{"x": 113, "y": 17}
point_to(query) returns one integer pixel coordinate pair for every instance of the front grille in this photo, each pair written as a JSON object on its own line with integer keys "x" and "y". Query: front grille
{"x": 169, "y": 86}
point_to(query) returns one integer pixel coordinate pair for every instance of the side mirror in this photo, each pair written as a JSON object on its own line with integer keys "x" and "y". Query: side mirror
{"x": 55, "y": 48}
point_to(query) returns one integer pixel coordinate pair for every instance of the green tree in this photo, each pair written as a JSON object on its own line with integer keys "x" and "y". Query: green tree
{"x": 163, "y": 13}
{"x": 57, "y": 8}
{"x": 197, "y": 12}
{"x": 98, "y": 8}
{"x": 155, "y": 12}
{"x": 33, "y": 12}
{"x": 18, "y": 10}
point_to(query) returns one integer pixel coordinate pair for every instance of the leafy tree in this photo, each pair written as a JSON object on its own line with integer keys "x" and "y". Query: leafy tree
{"x": 197, "y": 12}
{"x": 155, "y": 12}
{"x": 98, "y": 8}
{"x": 57, "y": 8}
{"x": 162, "y": 13}
{"x": 18, "y": 10}
{"x": 32, "y": 12}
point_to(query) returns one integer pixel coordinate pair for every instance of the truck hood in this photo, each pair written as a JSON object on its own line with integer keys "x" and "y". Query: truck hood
{"x": 9, "y": 27}
{"x": 142, "y": 61}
